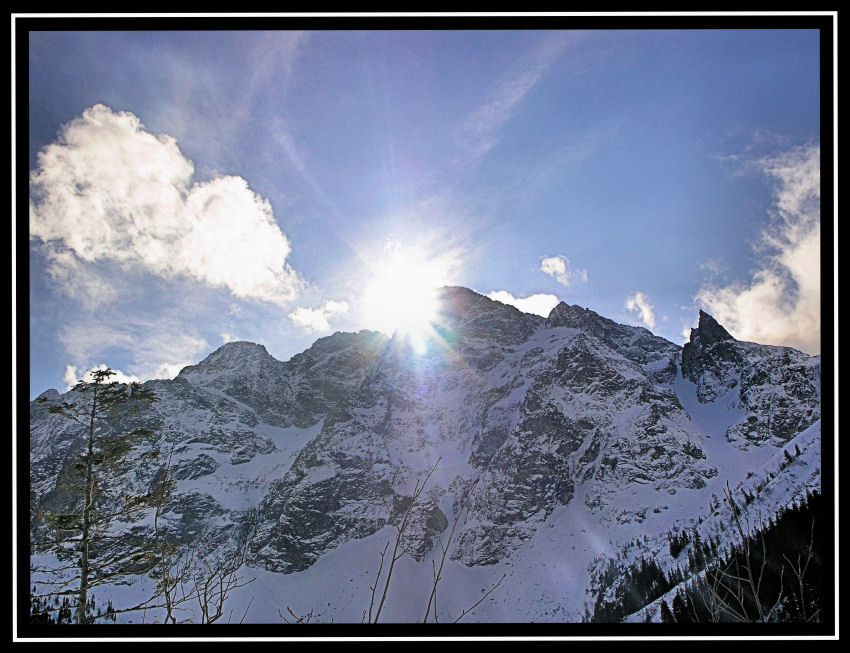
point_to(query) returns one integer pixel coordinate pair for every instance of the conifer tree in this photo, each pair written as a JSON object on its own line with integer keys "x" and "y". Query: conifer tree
{"x": 82, "y": 532}
{"x": 666, "y": 615}
{"x": 680, "y": 608}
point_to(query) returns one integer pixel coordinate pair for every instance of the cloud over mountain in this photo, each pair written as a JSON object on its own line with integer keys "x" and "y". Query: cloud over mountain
{"x": 108, "y": 190}
{"x": 317, "y": 319}
{"x": 538, "y": 304}
{"x": 561, "y": 270}
{"x": 639, "y": 303}
{"x": 780, "y": 304}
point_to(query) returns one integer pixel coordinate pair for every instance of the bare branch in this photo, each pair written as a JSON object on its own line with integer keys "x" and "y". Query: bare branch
{"x": 445, "y": 549}
{"x": 417, "y": 490}
{"x": 479, "y": 601}
{"x": 304, "y": 619}
{"x": 377, "y": 577}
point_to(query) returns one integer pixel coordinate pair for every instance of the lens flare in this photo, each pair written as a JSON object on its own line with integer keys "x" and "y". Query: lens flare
{"x": 401, "y": 298}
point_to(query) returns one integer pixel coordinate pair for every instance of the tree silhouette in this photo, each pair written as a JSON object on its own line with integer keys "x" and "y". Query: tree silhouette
{"x": 84, "y": 536}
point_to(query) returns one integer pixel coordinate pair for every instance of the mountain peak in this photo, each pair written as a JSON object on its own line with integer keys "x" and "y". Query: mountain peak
{"x": 239, "y": 349}
{"x": 460, "y": 301}
{"x": 695, "y": 353}
{"x": 242, "y": 346}
{"x": 230, "y": 356}
{"x": 567, "y": 315}
{"x": 589, "y": 321}
{"x": 708, "y": 331}
{"x": 51, "y": 394}
{"x": 475, "y": 315}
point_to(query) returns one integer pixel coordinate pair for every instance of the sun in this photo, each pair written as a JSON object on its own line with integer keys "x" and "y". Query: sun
{"x": 401, "y": 297}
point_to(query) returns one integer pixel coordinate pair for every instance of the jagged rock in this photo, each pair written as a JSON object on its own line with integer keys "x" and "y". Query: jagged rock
{"x": 530, "y": 412}
{"x": 777, "y": 387}
{"x": 298, "y": 392}
{"x": 708, "y": 357}
{"x": 656, "y": 355}
{"x": 202, "y": 465}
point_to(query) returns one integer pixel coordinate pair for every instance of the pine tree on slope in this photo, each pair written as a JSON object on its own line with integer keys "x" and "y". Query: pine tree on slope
{"x": 83, "y": 530}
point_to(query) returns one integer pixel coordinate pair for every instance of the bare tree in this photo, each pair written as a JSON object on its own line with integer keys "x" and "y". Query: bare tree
{"x": 438, "y": 572}
{"x": 217, "y": 577}
{"x": 736, "y": 588}
{"x": 799, "y": 569}
{"x": 175, "y": 562}
{"x": 398, "y": 552}
{"x": 296, "y": 619}
{"x": 741, "y": 588}
{"x": 396, "y": 555}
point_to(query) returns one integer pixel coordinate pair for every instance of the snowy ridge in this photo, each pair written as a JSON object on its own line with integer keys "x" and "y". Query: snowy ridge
{"x": 579, "y": 439}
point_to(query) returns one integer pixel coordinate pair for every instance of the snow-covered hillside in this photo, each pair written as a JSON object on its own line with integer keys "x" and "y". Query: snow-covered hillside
{"x": 570, "y": 440}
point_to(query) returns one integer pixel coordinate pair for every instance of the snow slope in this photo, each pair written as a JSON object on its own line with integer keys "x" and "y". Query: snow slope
{"x": 574, "y": 440}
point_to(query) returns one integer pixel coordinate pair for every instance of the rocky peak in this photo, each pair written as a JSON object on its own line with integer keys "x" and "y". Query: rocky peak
{"x": 462, "y": 304}
{"x": 472, "y": 315}
{"x": 230, "y": 356}
{"x": 653, "y": 353}
{"x": 337, "y": 342}
{"x": 590, "y": 322}
{"x": 696, "y": 355}
{"x": 575, "y": 317}
{"x": 708, "y": 331}
{"x": 461, "y": 296}
{"x": 48, "y": 395}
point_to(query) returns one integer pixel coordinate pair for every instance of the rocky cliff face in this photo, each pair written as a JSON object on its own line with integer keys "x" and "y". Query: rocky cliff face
{"x": 299, "y": 392}
{"x": 777, "y": 387}
{"x": 520, "y": 413}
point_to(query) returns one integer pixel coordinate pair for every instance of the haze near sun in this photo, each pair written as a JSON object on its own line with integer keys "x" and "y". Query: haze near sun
{"x": 401, "y": 297}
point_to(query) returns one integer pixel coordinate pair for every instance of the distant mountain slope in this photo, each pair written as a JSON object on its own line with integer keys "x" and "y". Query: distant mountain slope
{"x": 573, "y": 415}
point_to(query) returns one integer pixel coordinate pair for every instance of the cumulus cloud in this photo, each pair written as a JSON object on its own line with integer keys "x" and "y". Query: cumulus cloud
{"x": 170, "y": 370}
{"x": 318, "y": 319}
{"x": 72, "y": 376}
{"x": 559, "y": 267}
{"x": 108, "y": 190}
{"x": 639, "y": 303}
{"x": 780, "y": 303}
{"x": 538, "y": 304}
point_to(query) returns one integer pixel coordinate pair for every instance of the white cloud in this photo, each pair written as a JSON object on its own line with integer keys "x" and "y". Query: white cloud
{"x": 72, "y": 376}
{"x": 170, "y": 370}
{"x": 391, "y": 245}
{"x": 538, "y": 304}
{"x": 318, "y": 319}
{"x": 273, "y": 59}
{"x": 780, "y": 304}
{"x": 714, "y": 267}
{"x": 559, "y": 268}
{"x": 82, "y": 282}
{"x": 159, "y": 347}
{"x": 109, "y": 191}
{"x": 639, "y": 303}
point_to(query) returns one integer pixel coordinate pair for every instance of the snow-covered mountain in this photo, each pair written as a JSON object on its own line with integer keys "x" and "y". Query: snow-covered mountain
{"x": 572, "y": 438}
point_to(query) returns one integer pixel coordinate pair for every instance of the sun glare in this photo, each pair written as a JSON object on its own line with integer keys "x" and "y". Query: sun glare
{"x": 402, "y": 296}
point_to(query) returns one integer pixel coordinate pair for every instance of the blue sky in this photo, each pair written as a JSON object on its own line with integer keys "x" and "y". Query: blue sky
{"x": 191, "y": 188}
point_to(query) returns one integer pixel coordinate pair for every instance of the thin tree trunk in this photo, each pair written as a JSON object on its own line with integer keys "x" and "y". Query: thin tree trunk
{"x": 87, "y": 509}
